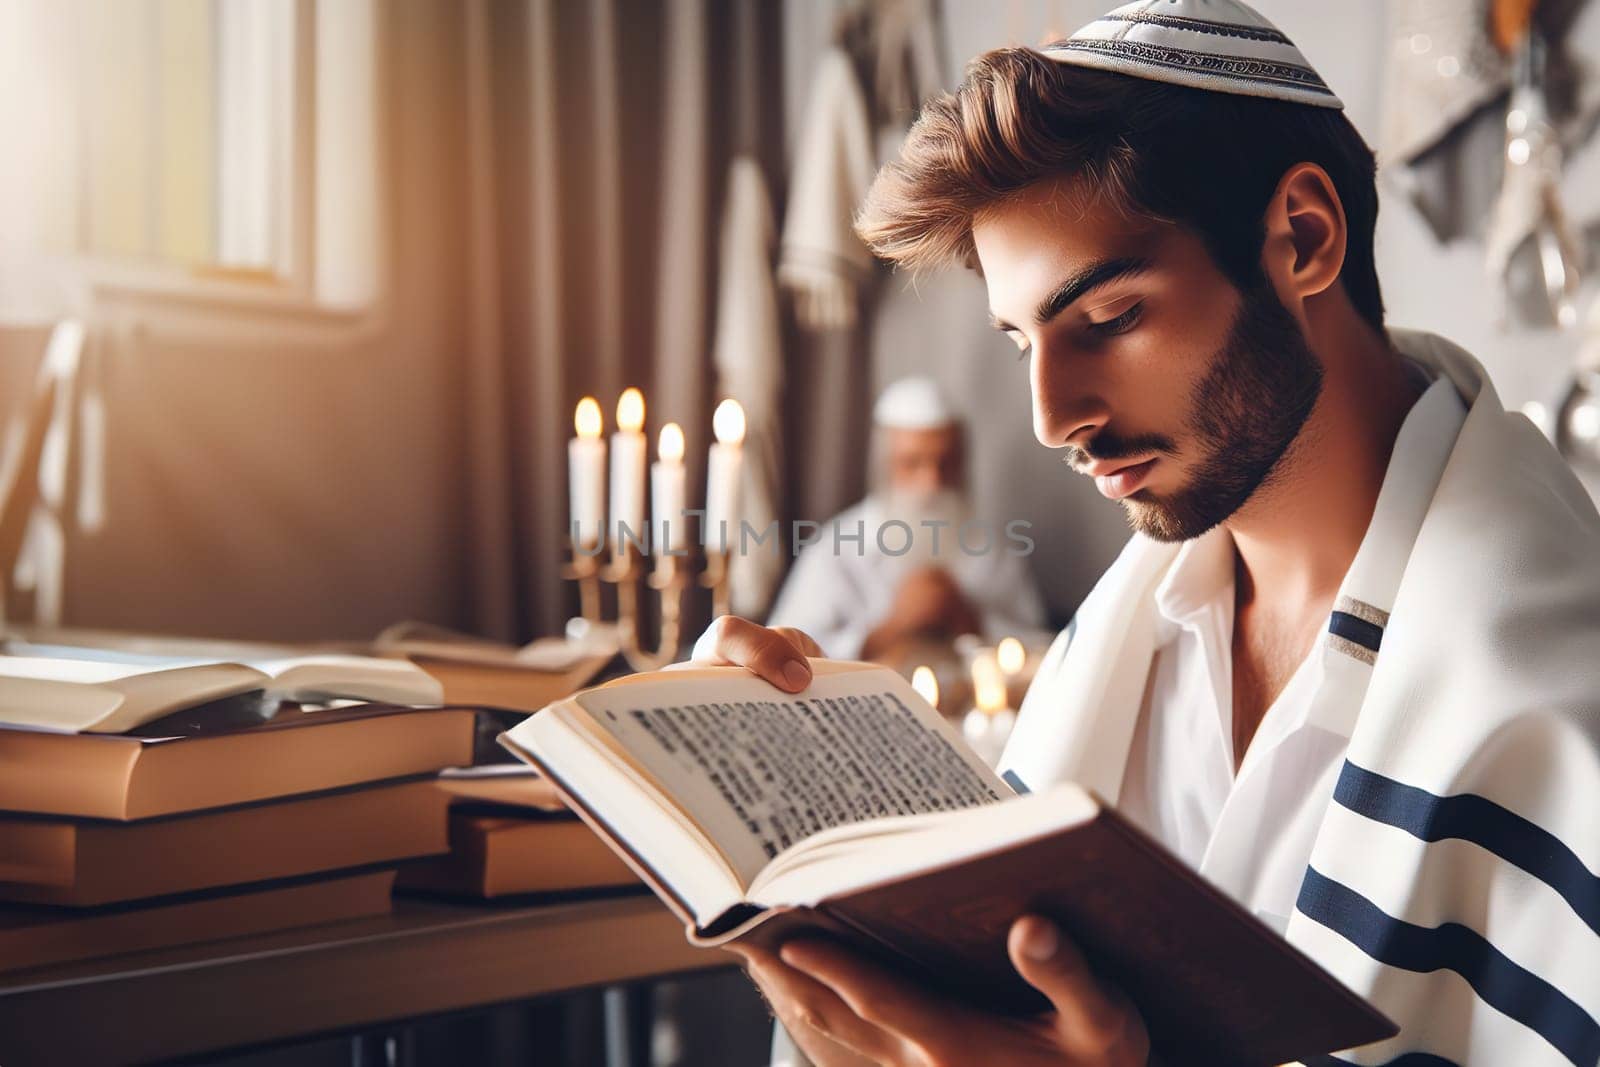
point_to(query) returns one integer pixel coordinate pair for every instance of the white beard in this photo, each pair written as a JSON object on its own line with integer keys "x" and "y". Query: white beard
{"x": 948, "y": 508}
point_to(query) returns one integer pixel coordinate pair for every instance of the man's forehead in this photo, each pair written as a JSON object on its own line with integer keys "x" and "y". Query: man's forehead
{"x": 924, "y": 437}
{"x": 1042, "y": 236}
{"x": 1066, "y": 213}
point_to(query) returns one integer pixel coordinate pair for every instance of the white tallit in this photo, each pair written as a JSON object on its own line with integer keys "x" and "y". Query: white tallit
{"x": 820, "y": 258}
{"x": 1453, "y": 880}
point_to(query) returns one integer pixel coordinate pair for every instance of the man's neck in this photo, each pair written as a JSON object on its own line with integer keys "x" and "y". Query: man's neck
{"x": 1298, "y": 535}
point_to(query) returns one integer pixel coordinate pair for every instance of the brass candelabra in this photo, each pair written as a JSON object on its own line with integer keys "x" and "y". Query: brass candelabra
{"x": 669, "y": 577}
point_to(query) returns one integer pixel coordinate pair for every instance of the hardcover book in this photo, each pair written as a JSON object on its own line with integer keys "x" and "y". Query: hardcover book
{"x": 853, "y": 810}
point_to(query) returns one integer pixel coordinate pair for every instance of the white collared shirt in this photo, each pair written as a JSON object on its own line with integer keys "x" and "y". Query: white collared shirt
{"x": 1250, "y": 832}
{"x": 1180, "y": 782}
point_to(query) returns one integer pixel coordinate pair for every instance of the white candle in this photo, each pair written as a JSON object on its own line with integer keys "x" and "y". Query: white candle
{"x": 988, "y": 682}
{"x": 669, "y": 494}
{"x": 586, "y": 477}
{"x": 987, "y": 726}
{"x": 926, "y": 684}
{"x": 724, "y": 469}
{"x": 1011, "y": 657}
{"x": 628, "y": 448}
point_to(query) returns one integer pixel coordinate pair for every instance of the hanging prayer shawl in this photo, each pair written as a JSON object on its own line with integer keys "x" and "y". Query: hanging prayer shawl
{"x": 1453, "y": 880}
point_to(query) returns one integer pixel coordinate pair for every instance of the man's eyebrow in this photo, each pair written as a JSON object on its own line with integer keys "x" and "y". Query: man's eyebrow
{"x": 1092, "y": 277}
{"x": 1076, "y": 286}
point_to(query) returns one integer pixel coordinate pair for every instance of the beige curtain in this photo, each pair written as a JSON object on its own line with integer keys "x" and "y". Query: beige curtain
{"x": 598, "y": 137}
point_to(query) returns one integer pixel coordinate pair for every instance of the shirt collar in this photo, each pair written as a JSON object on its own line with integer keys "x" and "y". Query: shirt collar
{"x": 1200, "y": 577}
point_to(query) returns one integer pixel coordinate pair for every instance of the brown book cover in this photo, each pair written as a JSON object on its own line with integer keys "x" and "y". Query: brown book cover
{"x": 1214, "y": 983}
{"x": 32, "y": 936}
{"x": 854, "y": 810}
{"x": 84, "y": 863}
{"x": 519, "y": 792}
{"x": 192, "y": 762}
{"x": 507, "y": 855}
{"x": 515, "y": 688}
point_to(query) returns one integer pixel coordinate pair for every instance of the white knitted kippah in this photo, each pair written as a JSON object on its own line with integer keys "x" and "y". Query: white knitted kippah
{"x": 1221, "y": 45}
{"x": 913, "y": 404}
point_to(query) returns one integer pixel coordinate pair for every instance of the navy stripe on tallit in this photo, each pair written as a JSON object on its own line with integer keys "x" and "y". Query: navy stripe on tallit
{"x": 1495, "y": 978}
{"x": 1360, "y": 631}
{"x": 1405, "y": 1059}
{"x": 1469, "y": 817}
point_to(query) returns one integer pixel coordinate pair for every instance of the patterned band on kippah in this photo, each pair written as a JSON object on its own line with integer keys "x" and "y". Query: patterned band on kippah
{"x": 1205, "y": 62}
{"x": 1220, "y": 46}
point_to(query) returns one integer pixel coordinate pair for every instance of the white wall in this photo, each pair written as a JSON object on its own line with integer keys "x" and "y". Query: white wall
{"x": 940, "y": 327}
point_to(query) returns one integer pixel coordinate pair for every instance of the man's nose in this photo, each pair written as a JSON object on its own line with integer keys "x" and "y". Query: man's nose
{"x": 1067, "y": 409}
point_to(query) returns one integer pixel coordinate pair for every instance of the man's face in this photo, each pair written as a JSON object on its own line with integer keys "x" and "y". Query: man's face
{"x": 922, "y": 462}
{"x": 1174, "y": 390}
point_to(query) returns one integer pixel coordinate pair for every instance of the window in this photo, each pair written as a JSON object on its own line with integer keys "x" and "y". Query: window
{"x": 215, "y": 141}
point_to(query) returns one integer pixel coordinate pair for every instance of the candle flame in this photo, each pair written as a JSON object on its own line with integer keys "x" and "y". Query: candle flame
{"x": 926, "y": 685}
{"x": 588, "y": 418}
{"x": 727, "y": 422}
{"x": 630, "y": 411}
{"x": 1011, "y": 656}
{"x": 988, "y": 684}
{"x": 669, "y": 445}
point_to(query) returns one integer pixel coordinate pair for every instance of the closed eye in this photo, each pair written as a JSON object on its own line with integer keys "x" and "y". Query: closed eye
{"x": 1121, "y": 324}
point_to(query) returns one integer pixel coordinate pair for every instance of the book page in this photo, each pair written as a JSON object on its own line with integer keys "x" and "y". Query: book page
{"x": 760, "y": 770}
{"x": 322, "y": 677}
{"x": 80, "y": 670}
{"x": 78, "y": 695}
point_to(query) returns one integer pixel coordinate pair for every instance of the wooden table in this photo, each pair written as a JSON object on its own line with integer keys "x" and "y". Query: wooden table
{"x": 424, "y": 958}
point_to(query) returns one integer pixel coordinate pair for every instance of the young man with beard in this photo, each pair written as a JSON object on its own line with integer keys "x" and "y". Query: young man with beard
{"x": 1348, "y": 667}
{"x": 909, "y": 564}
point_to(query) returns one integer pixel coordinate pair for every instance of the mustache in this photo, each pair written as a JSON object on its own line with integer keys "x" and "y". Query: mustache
{"x": 1105, "y": 446}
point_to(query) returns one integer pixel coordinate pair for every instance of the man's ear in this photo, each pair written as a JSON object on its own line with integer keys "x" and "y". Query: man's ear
{"x": 1305, "y": 234}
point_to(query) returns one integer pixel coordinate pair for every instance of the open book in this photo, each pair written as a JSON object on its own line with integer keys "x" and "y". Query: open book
{"x": 854, "y": 809}
{"x": 420, "y": 640}
{"x": 104, "y": 692}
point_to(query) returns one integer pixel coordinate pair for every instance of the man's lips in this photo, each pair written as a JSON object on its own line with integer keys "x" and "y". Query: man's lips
{"x": 1116, "y": 482}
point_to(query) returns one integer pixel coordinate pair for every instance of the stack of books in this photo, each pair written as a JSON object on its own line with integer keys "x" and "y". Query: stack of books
{"x": 147, "y": 803}
{"x": 511, "y": 836}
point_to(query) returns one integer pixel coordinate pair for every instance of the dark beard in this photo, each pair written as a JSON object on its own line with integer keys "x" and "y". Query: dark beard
{"x": 1245, "y": 413}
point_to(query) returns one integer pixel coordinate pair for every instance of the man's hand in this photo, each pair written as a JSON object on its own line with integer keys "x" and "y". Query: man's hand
{"x": 843, "y": 1009}
{"x": 929, "y": 601}
{"x": 777, "y": 654}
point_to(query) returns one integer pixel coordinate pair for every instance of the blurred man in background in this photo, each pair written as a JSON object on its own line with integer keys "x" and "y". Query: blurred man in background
{"x": 910, "y": 563}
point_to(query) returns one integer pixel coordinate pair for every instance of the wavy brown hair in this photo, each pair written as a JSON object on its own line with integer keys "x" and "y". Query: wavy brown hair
{"x": 1205, "y": 160}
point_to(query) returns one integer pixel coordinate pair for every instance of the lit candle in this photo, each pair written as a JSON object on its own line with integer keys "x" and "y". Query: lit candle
{"x": 628, "y": 448}
{"x": 1011, "y": 657}
{"x": 586, "y": 477}
{"x": 988, "y": 682}
{"x": 723, "y": 472}
{"x": 987, "y": 726}
{"x": 926, "y": 685}
{"x": 669, "y": 494}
